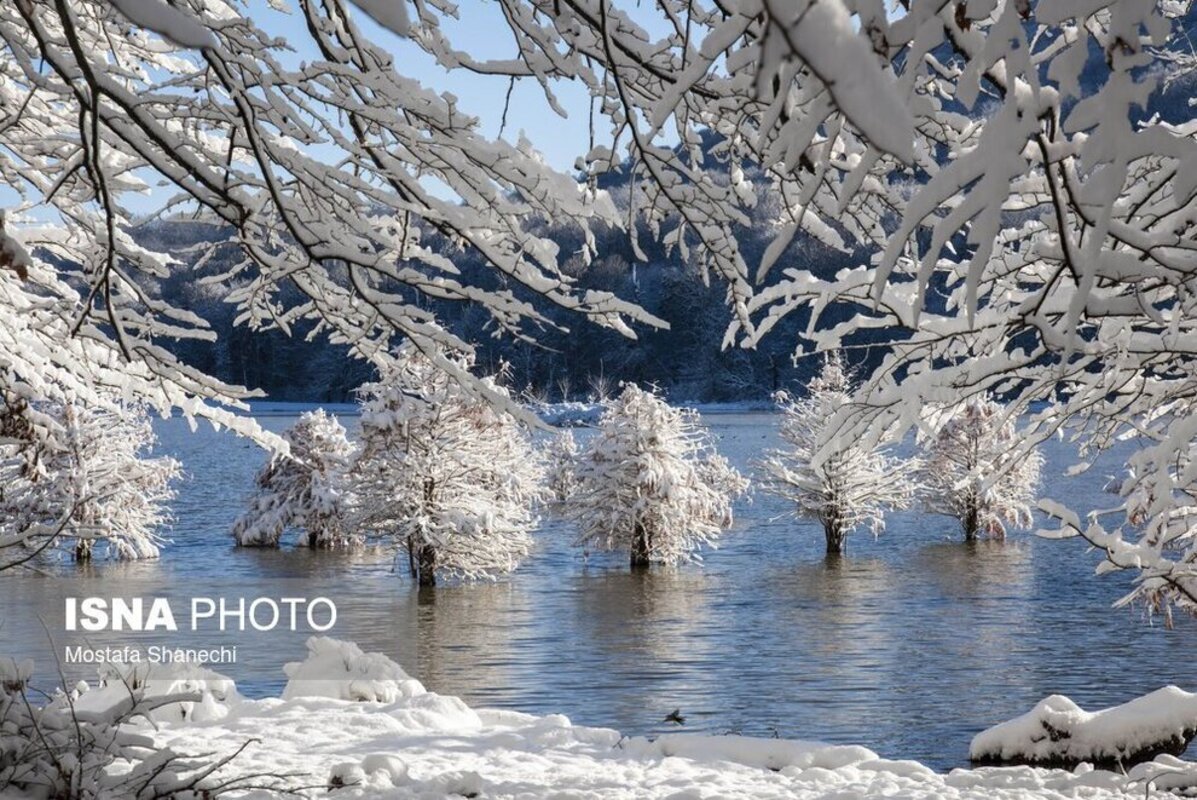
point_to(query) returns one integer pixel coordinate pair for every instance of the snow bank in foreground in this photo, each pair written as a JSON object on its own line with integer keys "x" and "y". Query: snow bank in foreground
{"x": 1059, "y": 732}
{"x": 422, "y": 745}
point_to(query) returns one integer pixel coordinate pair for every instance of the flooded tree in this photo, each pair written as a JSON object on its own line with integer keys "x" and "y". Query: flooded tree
{"x": 450, "y": 477}
{"x": 975, "y": 471}
{"x": 91, "y": 479}
{"x": 840, "y": 481}
{"x": 307, "y": 488}
{"x": 651, "y": 483}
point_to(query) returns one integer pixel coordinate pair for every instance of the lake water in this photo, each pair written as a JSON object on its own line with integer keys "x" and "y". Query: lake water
{"x": 910, "y": 644}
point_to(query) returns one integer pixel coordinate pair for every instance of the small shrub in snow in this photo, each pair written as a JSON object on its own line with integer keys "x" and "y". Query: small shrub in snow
{"x": 305, "y": 489}
{"x": 215, "y": 694}
{"x": 83, "y": 747}
{"x": 828, "y": 476}
{"x": 88, "y": 480}
{"x": 975, "y": 471}
{"x": 650, "y": 482}
{"x": 452, "y": 478}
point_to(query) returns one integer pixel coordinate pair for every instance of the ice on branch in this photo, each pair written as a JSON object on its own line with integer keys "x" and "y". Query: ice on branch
{"x": 827, "y": 474}
{"x": 442, "y": 472}
{"x": 976, "y": 469}
{"x": 650, "y": 482}
{"x": 306, "y": 489}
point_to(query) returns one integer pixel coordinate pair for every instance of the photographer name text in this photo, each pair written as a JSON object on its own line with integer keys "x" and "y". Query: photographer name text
{"x": 154, "y": 654}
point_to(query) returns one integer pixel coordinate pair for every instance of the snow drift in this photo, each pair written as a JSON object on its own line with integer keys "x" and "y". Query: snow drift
{"x": 1058, "y": 732}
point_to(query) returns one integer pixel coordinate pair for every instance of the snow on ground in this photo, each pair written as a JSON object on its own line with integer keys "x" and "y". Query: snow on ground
{"x": 1058, "y": 731}
{"x": 417, "y": 744}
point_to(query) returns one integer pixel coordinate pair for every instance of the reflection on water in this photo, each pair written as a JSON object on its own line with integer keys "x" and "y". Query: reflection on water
{"x": 910, "y": 644}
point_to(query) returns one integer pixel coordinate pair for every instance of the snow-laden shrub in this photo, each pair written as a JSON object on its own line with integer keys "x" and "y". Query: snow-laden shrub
{"x": 445, "y": 473}
{"x": 90, "y": 479}
{"x": 341, "y": 670}
{"x": 975, "y": 471}
{"x": 651, "y": 483}
{"x": 70, "y": 746}
{"x": 1059, "y": 733}
{"x": 840, "y": 481}
{"x": 306, "y": 489}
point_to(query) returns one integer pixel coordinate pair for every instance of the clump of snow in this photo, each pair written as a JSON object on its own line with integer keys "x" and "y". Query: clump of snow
{"x": 1058, "y": 732}
{"x": 342, "y": 671}
{"x": 772, "y": 754}
{"x": 210, "y": 694}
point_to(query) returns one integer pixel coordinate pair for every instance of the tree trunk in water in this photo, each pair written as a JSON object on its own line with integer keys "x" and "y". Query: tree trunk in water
{"x": 970, "y": 523}
{"x": 836, "y": 537}
{"x": 427, "y": 565}
{"x": 640, "y": 547}
{"x": 83, "y": 550}
{"x": 313, "y": 540}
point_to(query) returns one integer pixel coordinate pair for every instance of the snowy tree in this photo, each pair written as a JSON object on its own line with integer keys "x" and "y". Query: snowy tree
{"x": 305, "y": 489}
{"x": 93, "y": 482}
{"x": 650, "y": 482}
{"x": 974, "y": 471}
{"x": 453, "y": 480}
{"x": 829, "y": 477}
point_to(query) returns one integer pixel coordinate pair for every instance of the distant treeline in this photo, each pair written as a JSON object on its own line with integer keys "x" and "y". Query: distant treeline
{"x": 570, "y": 361}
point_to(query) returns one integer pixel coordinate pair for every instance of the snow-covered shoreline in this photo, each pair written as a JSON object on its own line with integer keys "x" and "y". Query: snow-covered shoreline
{"x": 354, "y": 725}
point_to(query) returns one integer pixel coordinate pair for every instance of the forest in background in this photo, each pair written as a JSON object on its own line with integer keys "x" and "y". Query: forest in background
{"x": 572, "y": 361}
